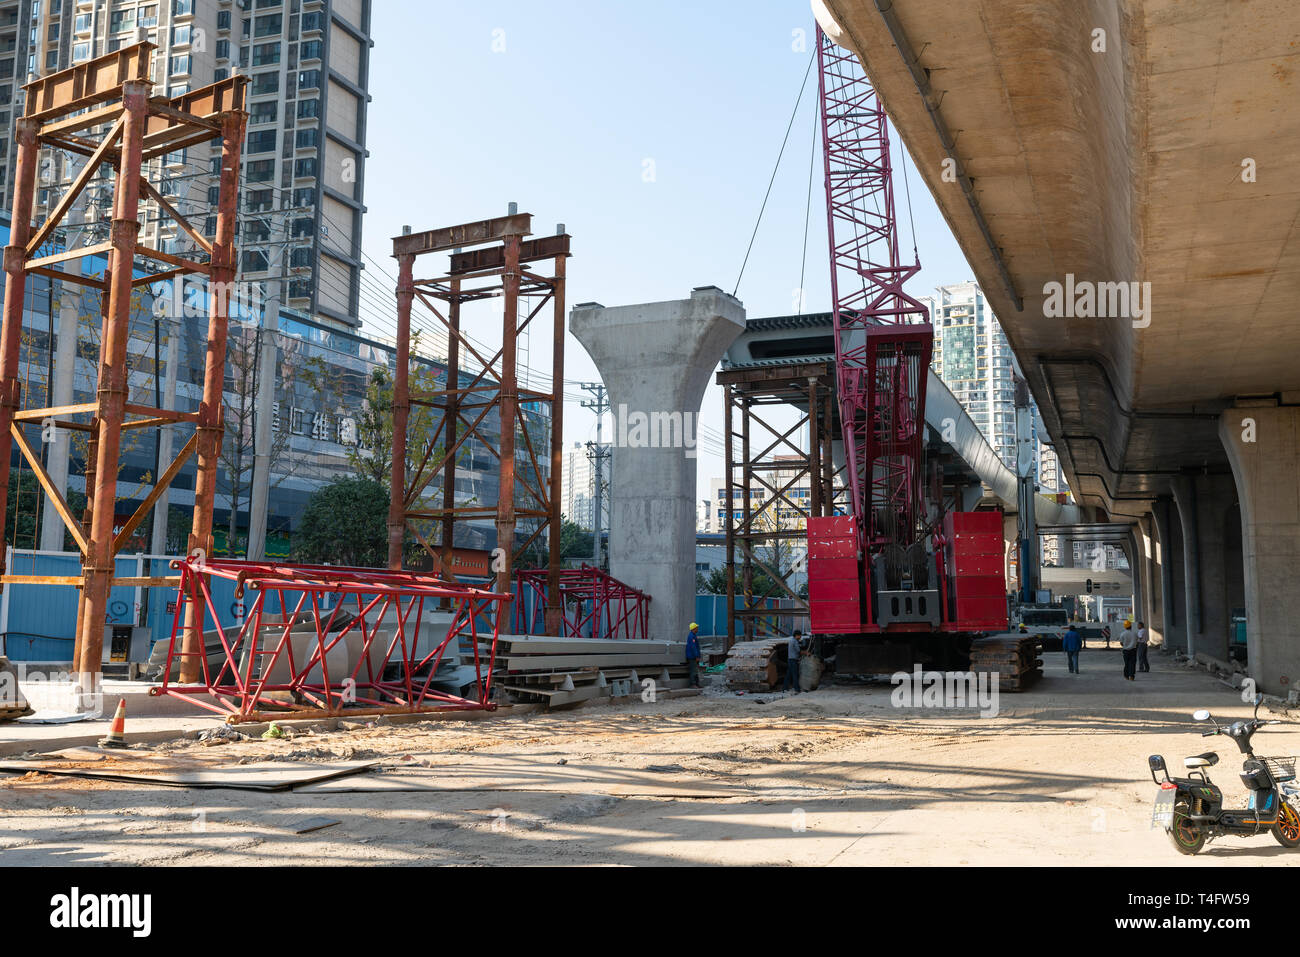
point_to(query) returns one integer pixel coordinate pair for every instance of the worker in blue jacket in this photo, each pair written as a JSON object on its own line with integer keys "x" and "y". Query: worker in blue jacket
{"x": 693, "y": 654}
{"x": 1072, "y": 642}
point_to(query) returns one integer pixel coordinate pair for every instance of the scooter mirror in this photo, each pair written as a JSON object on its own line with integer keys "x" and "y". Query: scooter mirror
{"x": 1201, "y": 715}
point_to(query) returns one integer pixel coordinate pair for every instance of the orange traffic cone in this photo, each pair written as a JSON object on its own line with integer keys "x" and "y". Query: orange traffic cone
{"x": 117, "y": 733}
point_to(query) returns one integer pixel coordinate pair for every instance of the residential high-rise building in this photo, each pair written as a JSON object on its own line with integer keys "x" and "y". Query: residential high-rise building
{"x": 304, "y": 156}
{"x": 576, "y": 486}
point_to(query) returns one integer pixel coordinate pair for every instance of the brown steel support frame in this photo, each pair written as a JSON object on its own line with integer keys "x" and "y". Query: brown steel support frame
{"x": 468, "y": 398}
{"x": 115, "y": 91}
{"x": 808, "y": 387}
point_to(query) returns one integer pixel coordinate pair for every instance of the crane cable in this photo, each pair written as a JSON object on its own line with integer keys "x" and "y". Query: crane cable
{"x": 786, "y": 139}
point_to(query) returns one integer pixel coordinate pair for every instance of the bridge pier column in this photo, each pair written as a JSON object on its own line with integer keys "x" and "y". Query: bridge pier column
{"x": 1262, "y": 439}
{"x": 1168, "y": 530}
{"x": 656, "y": 360}
{"x": 1153, "y": 605}
{"x": 1203, "y": 505}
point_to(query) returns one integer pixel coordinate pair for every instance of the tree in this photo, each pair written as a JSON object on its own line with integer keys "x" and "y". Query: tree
{"x": 575, "y": 541}
{"x": 345, "y": 523}
{"x": 242, "y": 405}
{"x": 763, "y": 585}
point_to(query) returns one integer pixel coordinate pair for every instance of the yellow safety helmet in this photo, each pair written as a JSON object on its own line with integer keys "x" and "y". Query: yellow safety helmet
{"x": 694, "y": 627}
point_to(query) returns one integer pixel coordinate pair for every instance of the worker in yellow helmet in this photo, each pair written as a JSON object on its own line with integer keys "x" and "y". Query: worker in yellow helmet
{"x": 693, "y": 654}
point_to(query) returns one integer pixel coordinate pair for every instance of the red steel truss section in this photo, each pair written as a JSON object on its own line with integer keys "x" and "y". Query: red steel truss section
{"x": 313, "y": 641}
{"x": 883, "y": 339}
{"x": 594, "y": 604}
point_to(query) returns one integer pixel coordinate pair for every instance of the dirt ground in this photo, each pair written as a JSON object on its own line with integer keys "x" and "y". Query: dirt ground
{"x": 836, "y": 776}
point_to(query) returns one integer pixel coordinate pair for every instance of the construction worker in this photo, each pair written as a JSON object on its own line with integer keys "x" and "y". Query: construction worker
{"x": 693, "y": 654}
{"x": 1128, "y": 642}
{"x": 1143, "y": 638}
{"x": 792, "y": 662}
{"x": 1072, "y": 643}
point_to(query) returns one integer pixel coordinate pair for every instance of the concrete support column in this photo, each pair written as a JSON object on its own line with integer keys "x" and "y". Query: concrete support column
{"x": 1172, "y": 571}
{"x": 656, "y": 360}
{"x": 1153, "y": 589}
{"x": 1203, "y": 502}
{"x": 60, "y": 442}
{"x": 1263, "y": 445}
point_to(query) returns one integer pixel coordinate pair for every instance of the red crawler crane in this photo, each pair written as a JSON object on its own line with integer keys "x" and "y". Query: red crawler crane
{"x": 886, "y": 569}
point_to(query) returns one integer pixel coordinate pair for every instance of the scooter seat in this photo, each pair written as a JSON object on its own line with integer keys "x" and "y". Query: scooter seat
{"x": 1207, "y": 760}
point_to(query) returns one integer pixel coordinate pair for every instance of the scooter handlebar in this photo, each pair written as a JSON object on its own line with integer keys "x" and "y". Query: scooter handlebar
{"x": 1209, "y": 734}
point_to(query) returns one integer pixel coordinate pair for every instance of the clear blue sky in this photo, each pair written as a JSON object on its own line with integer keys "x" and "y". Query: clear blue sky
{"x": 563, "y": 120}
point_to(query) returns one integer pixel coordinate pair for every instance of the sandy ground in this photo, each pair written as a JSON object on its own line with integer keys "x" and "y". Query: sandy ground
{"x": 837, "y": 776}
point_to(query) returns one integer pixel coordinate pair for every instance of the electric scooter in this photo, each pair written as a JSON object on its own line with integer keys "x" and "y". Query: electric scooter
{"x": 1191, "y": 809}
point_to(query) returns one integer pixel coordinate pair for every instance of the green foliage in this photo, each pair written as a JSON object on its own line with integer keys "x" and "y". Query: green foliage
{"x": 576, "y": 542}
{"x": 345, "y": 523}
{"x": 21, "y": 509}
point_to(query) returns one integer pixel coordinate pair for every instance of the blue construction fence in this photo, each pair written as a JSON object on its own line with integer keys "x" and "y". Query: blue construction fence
{"x": 38, "y": 622}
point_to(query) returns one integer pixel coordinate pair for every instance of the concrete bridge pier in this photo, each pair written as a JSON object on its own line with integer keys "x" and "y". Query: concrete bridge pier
{"x": 1152, "y": 610}
{"x": 656, "y": 360}
{"x": 1204, "y": 503}
{"x": 1168, "y": 530}
{"x": 1262, "y": 439}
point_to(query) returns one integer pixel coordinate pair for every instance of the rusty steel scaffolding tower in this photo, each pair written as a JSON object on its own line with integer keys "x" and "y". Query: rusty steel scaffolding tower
{"x": 765, "y": 461}
{"x": 103, "y": 110}
{"x": 497, "y": 268}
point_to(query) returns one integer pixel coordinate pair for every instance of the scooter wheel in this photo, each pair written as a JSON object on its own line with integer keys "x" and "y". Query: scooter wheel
{"x": 1287, "y": 828}
{"x": 1187, "y": 838}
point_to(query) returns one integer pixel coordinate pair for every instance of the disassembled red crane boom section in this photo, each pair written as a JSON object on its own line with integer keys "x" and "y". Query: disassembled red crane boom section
{"x": 887, "y": 566}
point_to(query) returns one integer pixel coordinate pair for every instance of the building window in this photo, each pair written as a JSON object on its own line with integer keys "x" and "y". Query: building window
{"x": 308, "y": 109}
{"x": 311, "y": 21}
{"x": 309, "y": 80}
{"x": 268, "y": 26}
{"x": 307, "y": 138}
{"x": 260, "y": 171}
{"x": 80, "y": 51}
{"x": 223, "y": 20}
{"x": 82, "y": 22}
{"x": 267, "y": 111}
{"x": 147, "y": 16}
{"x": 182, "y": 8}
{"x": 181, "y": 34}
{"x": 120, "y": 20}
{"x": 300, "y": 258}
{"x": 179, "y": 65}
{"x": 303, "y": 228}
{"x": 262, "y": 142}
{"x": 310, "y": 50}
{"x": 254, "y": 261}
{"x": 300, "y": 289}
{"x": 266, "y": 83}
{"x": 264, "y": 54}
{"x": 304, "y": 197}
{"x": 305, "y": 168}
{"x": 220, "y": 73}
{"x": 223, "y": 49}
{"x": 259, "y": 200}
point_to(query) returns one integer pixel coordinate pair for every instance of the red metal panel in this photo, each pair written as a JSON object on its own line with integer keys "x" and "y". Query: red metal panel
{"x": 820, "y": 569}
{"x": 964, "y": 564}
{"x": 981, "y": 586}
{"x": 834, "y": 616}
{"x": 833, "y": 548}
{"x": 832, "y": 590}
{"x": 988, "y": 523}
{"x": 983, "y": 609}
{"x": 833, "y": 526}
